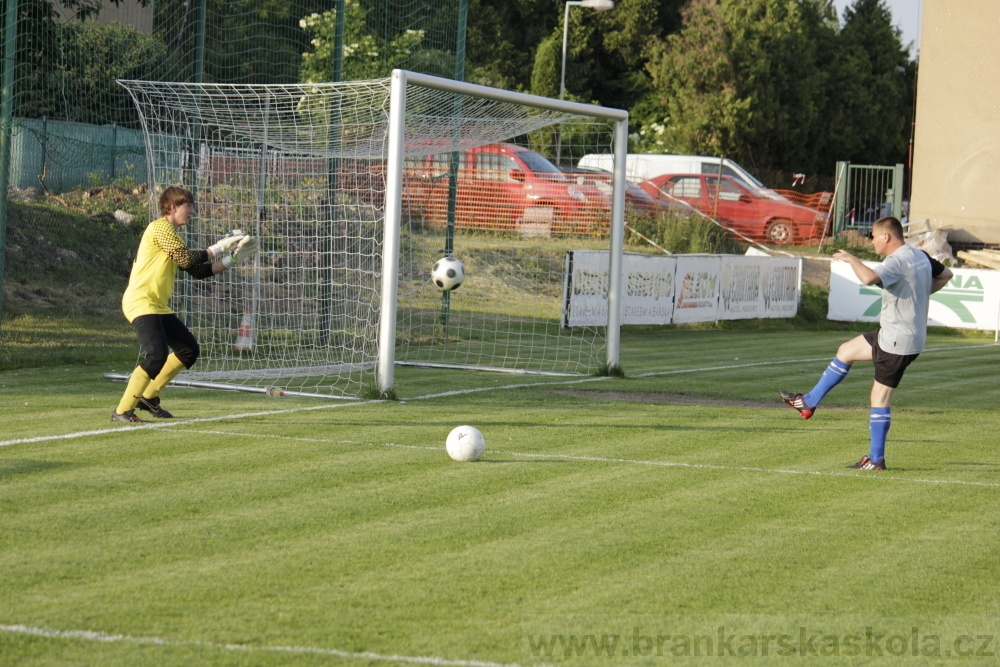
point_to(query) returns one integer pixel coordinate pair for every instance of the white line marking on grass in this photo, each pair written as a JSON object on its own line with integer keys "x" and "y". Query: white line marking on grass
{"x": 92, "y": 636}
{"x": 702, "y": 466}
{"x": 788, "y": 361}
{"x": 641, "y": 462}
{"x": 178, "y": 422}
{"x": 708, "y": 466}
{"x": 728, "y": 367}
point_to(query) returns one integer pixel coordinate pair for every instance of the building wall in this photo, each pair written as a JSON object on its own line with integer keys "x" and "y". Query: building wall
{"x": 956, "y": 154}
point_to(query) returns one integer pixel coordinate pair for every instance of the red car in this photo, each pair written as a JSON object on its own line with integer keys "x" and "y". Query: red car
{"x": 766, "y": 217}
{"x": 503, "y": 187}
{"x": 638, "y": 202}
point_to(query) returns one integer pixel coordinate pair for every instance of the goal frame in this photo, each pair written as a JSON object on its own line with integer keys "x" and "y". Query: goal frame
{"x": 399, "y": 80}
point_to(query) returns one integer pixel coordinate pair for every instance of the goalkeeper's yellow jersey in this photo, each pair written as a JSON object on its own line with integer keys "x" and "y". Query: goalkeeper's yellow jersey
{"x": 151, "y": 283}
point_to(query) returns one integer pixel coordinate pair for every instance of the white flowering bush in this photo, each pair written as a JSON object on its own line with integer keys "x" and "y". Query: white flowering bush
{"x": 366, "y": 56}
{"x": 651, "y": 138}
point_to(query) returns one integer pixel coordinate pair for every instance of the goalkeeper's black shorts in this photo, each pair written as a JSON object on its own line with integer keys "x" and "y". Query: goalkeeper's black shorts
{"x": 158, "y": 335}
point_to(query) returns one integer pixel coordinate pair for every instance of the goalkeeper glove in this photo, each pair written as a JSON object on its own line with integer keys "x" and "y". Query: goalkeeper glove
{"x": 244, "y": 249}
{"x": 226, "y": 243}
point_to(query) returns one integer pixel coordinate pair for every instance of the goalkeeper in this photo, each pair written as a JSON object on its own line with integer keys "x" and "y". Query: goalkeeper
{"x": 168, "y": 345}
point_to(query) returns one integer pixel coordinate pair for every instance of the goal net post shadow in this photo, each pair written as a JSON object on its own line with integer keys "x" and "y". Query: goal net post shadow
{"x": 354, "y": 190}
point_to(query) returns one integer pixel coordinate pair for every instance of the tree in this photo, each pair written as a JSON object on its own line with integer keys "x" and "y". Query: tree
{"x": 548, "y": 67}
{"x": 871, "y": 88}
{"x": 776, "y": 85}
{"x": 741, "y": 79}
{"x": 503, "y": 36}
{"x": 365, "y": 56}
{"x": 245, "y": 41}
{"x": 606, "y": 52}
{"x": 697, "y": 104}
{"x": 517, "y": 44}
{"x": 67, "y": 69}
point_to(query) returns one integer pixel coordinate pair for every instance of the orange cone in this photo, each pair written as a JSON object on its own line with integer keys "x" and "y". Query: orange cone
{"x": 244, "y": 337}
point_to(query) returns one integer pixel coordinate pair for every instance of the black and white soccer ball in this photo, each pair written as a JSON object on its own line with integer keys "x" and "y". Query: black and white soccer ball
{"x": 448, "y": 273}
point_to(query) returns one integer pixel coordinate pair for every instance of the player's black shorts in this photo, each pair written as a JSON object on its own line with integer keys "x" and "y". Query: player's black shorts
{"x": 889, "y": 367}
{"x": 158, "y": 334}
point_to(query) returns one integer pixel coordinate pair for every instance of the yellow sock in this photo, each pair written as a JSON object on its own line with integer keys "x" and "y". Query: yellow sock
{"x": 136, "y": 384}
{"x": 169, "y": 371}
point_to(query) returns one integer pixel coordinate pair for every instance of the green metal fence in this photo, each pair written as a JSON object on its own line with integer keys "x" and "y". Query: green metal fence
{"x": 866, "y": 193}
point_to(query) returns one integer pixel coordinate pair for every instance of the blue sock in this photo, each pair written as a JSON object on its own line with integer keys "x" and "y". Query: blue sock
{"x": 879, "y": 422}
{"x": 834, "y": 373}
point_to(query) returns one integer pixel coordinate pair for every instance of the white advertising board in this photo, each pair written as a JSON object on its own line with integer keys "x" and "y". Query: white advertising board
{"x": 649, "y": 289}
{"x": 697, "y": 282}
{"x": 666, "y": 289}
{"x": 752, "y": 288}
{"x": 585, "y": 289}
{"x": 971, "y": 300}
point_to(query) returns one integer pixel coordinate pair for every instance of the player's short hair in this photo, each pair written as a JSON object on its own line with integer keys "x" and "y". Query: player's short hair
{"x": 175, "y": 195}
{"x": 891, "y": 225}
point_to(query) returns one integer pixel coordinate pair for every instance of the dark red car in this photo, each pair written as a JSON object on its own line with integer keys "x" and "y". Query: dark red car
{"x": 638, "y": 202}
{"x": 762, "y": 216}
{"x": 503, "y": 187}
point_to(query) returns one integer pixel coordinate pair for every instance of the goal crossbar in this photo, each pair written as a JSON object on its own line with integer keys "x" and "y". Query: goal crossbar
{"x": 399, "y": 81}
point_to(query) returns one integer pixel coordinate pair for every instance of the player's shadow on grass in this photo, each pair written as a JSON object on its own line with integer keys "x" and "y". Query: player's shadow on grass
{"x": 25, "y": 467}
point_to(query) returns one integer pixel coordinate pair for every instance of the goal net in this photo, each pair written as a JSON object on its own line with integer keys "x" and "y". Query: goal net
{"x": 355, "y": 190}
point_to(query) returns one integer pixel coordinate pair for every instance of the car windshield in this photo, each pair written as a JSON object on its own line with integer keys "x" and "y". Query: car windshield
{"x": 739, "y": 181}
{"x": 539, "y": 164}
{"x": 757, "y": 185}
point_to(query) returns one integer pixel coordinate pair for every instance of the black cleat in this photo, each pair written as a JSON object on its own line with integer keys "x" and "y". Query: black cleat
{"x": 796, "y": 401}
{"x": 129, "y": 417}
{"x": 153, "y": 407}
{"x": 867, "y": 464}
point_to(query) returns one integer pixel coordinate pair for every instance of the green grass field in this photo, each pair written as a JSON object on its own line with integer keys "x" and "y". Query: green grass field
{"x": 636, "y": 514}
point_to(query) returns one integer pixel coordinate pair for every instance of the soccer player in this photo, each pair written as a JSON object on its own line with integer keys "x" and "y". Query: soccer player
{"x": 908, "y": 277}
{"x": 168, "y": 345}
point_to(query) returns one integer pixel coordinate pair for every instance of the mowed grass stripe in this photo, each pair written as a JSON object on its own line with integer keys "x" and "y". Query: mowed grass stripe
{"x": 683, "y": 523}
{"x": 351, "y": 529}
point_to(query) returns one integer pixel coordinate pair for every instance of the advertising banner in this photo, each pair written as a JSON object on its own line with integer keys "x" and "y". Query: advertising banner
{"x": 697, "y": 283}
{"x": 585, "y": 292}
{"x": 751, "y": 287}
{"x": 649, "y": 289}
{"x": 971, "y": 300}
{"x": 669, "y": 289}
{"x": 782, "y": 287}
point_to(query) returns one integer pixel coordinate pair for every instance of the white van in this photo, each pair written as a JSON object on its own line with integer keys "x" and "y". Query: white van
{"x": 640, "y": 167}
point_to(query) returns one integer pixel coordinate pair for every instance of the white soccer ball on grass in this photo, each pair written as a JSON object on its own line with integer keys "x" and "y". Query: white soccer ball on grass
{"x": 465, "y": 443}
{"x": 448, "y": 273}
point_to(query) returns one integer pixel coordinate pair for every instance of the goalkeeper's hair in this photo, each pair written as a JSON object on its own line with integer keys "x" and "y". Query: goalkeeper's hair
{"x": 175, "y": 195}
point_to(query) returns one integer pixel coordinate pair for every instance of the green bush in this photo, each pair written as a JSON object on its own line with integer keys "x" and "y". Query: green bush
{"x": 91, "y": 56}
{"x": 682, "y": 234}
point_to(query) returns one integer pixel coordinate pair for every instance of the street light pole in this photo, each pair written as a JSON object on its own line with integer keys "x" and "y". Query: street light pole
{"x": 596, "y": 5}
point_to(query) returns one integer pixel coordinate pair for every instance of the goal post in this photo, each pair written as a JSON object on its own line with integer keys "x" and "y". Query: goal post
{"x": 355, "y": 189}
{"x": 401, "y": 79}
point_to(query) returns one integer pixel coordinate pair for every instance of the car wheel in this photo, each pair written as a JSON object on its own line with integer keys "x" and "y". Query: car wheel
{"x": 780, "y": 232}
